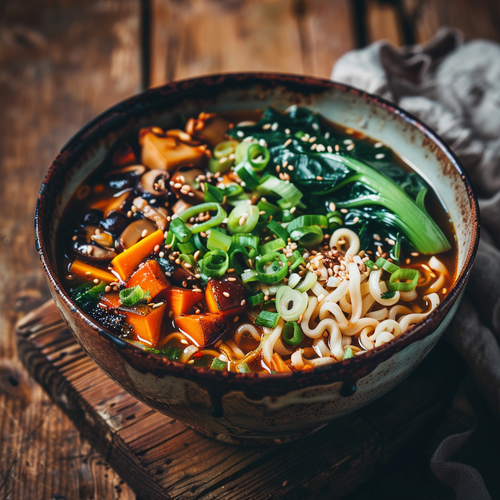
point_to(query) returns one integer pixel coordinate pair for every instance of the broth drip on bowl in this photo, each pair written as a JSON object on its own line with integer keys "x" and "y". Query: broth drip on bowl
{"x": 266, "y": 242}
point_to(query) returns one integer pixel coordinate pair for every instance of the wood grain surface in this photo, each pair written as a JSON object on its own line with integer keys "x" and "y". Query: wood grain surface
{"x": 162, "y": 459}
{"x": 64, "y": 61}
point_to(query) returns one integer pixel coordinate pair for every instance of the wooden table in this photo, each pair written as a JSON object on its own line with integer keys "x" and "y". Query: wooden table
{"x": 61, "y": 63}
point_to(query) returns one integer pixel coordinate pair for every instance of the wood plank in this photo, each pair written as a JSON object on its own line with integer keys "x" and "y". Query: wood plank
{"x": 61, "y": 63}
{"x": 161, "y": 458}
{"x": 294, "y": 36}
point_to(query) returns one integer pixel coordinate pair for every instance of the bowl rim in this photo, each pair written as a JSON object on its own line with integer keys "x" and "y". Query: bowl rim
{"x": 347, "y": 370}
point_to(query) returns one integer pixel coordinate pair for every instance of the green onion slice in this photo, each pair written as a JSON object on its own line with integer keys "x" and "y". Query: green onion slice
{"x": 297, "y": 259}
{"x": 188, "y": 247}
{"x": 308, "y": 235}
{"x": 386, "y": 265}
{"x": 272, "y": 267}
{"x": 232, "y": 190}
{"x": 348, "y": 354}
{"x": 255, "y": 299}
{"x": 180, "y": 230}
{"x": 370, "y": 264}
{"x": 241, "y": 151}
{"x": 243, "y": 218}
{"x": 269, "y": 209}
{"x": 213, "y": 194}
{"x": 272, "y": 245}
{"x": 308, "y": 282}
{"x": 130, "y": 296}
{"x": 224, "y": 149}
{"x": 293, "y": 280}
{"x": 403, "y": 280}
{"x": 221, "y": 166}
{"x": 218, "y": 241}
{"x": 292, "y": 333}
{"x": 268, "y": 319}
{"x": 249, "y": 275}
{"x": 308, "y": 220}
{"x": 258, "y": 156}
{"x": 290, "y": 303}
{"x": 195, "y": 210}
{"x": 290, "y": 195}
{"x": 217, "y": 364}
{"x": 247, "y": 175}
{"x": 278, "y": 230}
{"x": 243, "y": 368}
{"x": 215, "y": 263}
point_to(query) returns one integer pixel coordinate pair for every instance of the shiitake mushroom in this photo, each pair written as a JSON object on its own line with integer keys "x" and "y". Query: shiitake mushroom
{"x": 91, "y": 217}
{"x": 133, "y": 233}
{"x": 177, "y": 274}
{"x": 115, "y": 223}
{"x": 125, "y": 177}
{"x": 153, "y": 184}
{"x": 84, "y": 241}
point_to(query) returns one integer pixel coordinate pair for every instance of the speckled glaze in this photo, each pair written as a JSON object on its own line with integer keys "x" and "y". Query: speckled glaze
{"x": 245, "y": 407}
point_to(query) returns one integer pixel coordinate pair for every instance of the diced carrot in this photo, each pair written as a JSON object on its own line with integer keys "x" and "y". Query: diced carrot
{"x": 150, "y": 278}
{"x": 125, "y": 263}
{"x": 225, "y": 297}
{"x": 146, "y": 322}
{"x": 110, "y": 300}
{"x": 180, "y": 301}
{"x": 115, "y": 204}
{"x": 124, "y": 156}
{"x": 278, "y": 365}
{"x": 91, "y": 272}
{"x": 202, "y": 329}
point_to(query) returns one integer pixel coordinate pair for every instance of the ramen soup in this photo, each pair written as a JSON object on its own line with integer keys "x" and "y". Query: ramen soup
{"x": 278, "y": 243}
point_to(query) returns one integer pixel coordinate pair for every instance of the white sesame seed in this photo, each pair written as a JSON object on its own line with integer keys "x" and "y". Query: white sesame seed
{"x": 347, "y": 141}
{"x": 380, "y": 156}
{"x": 144, "y": 233}
{"x": 226, "y": 294}
{"x": 274, "y": 126}
{"x": 378, "y": 145}
{"x": 240, "y": 133}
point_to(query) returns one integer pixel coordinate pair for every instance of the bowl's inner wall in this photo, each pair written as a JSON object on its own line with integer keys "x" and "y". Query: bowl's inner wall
{"x": 348, "y": 108}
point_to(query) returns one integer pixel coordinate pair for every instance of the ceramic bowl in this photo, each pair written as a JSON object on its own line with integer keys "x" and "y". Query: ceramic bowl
{"x": 246, "y": 407}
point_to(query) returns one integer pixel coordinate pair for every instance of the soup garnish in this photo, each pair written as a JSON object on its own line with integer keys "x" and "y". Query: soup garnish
{"x": 274, "y": 245}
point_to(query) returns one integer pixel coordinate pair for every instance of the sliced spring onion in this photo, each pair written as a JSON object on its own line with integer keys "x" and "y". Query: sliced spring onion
{"x": 308, "y": 220}
{"x": 278, "y": 230}
{"x": 386, "y": 265}
{"x": 195, "y": 210}
{"x": 232, "y": 190}
{"x": 287, "y": 215}
{"x": 224, "y": 149}
{"x": 387, "y": 295}
{"x": 292, "y": 333}
{"x": 348, "y": 354}
{"x": 269, "y": 209}
{"x": 180, "y": 230}
{"x": 290, "y": 195}
{"x": 221, "y": 166}
{"x": 171, "y": 240}
{"x": 308, "y": 282}
{"x": 243, "y": 368}
{"x": 246, "y": 240}
{"x": 296, "y": 260}
{"x": 258, "y": 156}
{"x": 170, "y": 352}
{"x": 130, "y": 296}
{"x": 241, "y": 151}
{"x": 370, "y": 264}
{"x": 218, "y": 241}
{"x": 213, "y": 193}
{"x": 235, "y": 251}
{"x": 268, "y": 319}
{"x": 247, "y": 175}
{"x": 403, "y": 280}
{"x": 188, "y": 247}
{"x": 293, "y": 280}
{"x": 95, "y": 291}
{"x": 272, "y": 245}
{"x": 272, "y": 267}
{"x": 243, "y": 218}
{"x": 217, "y": 364}
{"x": 199, "y": 243}
{"x": 249, "y": 275}
{"x": 188, "y": 258}
{"x": 308, "y": 235}
{"x": 255, "y": 299}
{"x": 290, "y": 303}
{"x": 215, "y": 263}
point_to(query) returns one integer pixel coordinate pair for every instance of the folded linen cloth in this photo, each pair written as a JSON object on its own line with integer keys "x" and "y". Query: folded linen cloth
{"x": 453, "y": 85}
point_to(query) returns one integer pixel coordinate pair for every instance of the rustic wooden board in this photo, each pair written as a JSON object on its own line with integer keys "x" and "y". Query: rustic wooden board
{"x": 161, "y": 458}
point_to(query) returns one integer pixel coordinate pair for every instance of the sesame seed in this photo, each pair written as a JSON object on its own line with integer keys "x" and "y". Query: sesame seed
{"x": 267, "y": 126}
{"x": 196, "y": 289}
{"x": 266, "y": 297}
{"x": 292, "y": 210}
{"x": 287, "y": 131}
{"x": 231, "y": 270}
{"x": 331, "y": 206}
{"x": 444, "y": 290}
{"x": 161, "y": 255}
{"x": 347, "y": 141}
{"x": 240, "y": 133}
{"x": 156, "y": 249}
{"x": 262, "y": 212}
{"x": 408, "y": 261}
{"x": 319, "y": 178}
{"x": 196, "y": 255}
{"x": 290, "y": 168}
{"x": 344, "y": 210}
{"x": 90, "y": 249}
{"x": 329, "y": 149}
{"x": 243, "y": 302}
{"x": 96, "y": 281}
{"x": 414, "y": 254}
{"x": 129, "y": 214}
{"x": 177, "y": 185}
{"x": 376, "y": 237}
{"x": 351, "y": 147}
{"x": 75, "y": 237}
{"x": 226, "y": 294}
{"x": 242, "y": 220}
{"x": 158, "y": 304}
{"x": 107, "y": 289}
{"x": 187, "y": 265}
{"x": 231, "y": 279}
{"x": 144, "y": 233}
{"x": 236, "y": 318}
{"x": 337, "y": 147}
{"x": 274, "y": 126}
{"x": 378, "y": 145}
{"x": 355, "y": 220}
{"x": 288, "y": 141}
{"x": 380, "y": 156}
{"x": 312, "y": 139}
{"x": 327, "y": 135}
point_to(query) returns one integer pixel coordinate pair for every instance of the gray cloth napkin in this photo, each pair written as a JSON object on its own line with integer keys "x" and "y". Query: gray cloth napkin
{"x": 453, "y": 85}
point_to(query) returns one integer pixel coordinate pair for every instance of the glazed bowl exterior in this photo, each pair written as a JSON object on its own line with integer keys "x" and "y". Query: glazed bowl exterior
{"x": 241, "y": 407}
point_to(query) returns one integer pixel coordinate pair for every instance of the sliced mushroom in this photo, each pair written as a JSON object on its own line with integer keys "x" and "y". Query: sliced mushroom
{"x": 91, "y": 217}
{"x": 125, "y": 177}
{"x": 115, "y": 223}
{"x": 157, "y": 215}
{"x": 154, "y": 183}
{"x": 209, "y": 127}
{"x": 86, "y": 249}
{"x": 167, "y": 152}
{"x": 119, "y": 202}
{"x": 134, "y": 232}
{"x": 185, "y": 185}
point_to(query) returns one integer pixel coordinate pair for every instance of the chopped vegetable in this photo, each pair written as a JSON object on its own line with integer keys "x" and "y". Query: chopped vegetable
{"x": 145, "y": 321}
{"x": 268, "y": 319}
{"x": 180, "y": 301}
{"x": 226, "y": 297}
{"x": 91, "y": 272}
{"x": 202, "y": 329}
{"x": 218, "y": 364}
{"x": 150, "y": 278}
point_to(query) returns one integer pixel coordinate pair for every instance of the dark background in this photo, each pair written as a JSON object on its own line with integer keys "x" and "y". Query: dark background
{"x": 63, "y": 62}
